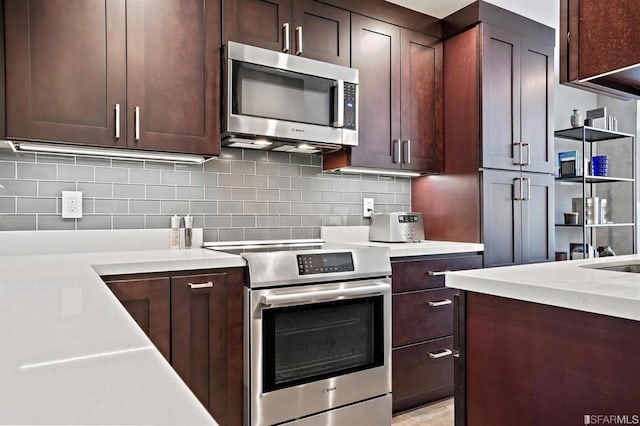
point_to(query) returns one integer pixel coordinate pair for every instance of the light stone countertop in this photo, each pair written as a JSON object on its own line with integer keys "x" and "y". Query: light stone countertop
{"x": 576, "y": 284}
{"x": 71, "y": 354}
{"x": 359, "y": 235}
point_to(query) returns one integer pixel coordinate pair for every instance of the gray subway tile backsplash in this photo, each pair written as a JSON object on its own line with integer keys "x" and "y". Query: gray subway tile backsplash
{"x": 37, "y": 171}
{"x": 77, "y": 173}
{"x": 7, "y": 170}
{"x": 244, "y": 195}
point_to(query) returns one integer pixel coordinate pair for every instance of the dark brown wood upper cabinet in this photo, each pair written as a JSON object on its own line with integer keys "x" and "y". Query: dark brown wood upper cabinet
{"x": 65, "y": 70}
{"x": 71, "y": 66}
{"x": 375, "y": 52}
{"x": 599, "y": 38}
{"x": 517, "y": 88}
{"x": 400, "y": 94}
{"x": 421, "y": 102}
{"x": 306, "y": 28}
{"x": 173, "y": 75}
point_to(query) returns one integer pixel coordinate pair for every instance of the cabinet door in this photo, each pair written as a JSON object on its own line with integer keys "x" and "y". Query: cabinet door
{"x": 258, "y": 22}
{"x": 500, "y": 99}
{"x": 147, "y": 301}
{"x": 325, "y": 32}
{"x": 173, "y": 74}
{"x": 537, "y": 218}
{"x": 375, "y": 51}
{"x": 65, "y": 70}
{"x": 421, "y": 102}
{"x": 536, "y": 106}
{"x": 206, "y": 340}
{"x": 502, "y": 215}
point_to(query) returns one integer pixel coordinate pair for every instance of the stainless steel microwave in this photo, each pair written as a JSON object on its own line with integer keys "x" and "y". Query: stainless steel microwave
{"x": 283, "y": 102}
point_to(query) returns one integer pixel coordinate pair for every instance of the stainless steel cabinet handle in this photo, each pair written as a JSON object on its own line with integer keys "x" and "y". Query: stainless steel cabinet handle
{"x": 528, "y": 147}
{"x": 441, "y": 354}
{"x": 520, "y": 197}
{"x": 285, "y": 38}
{"x": 395, "y": 151}
{"x": 136, "y": 114}
{"x": 117, "y": 111}
{"x": 435, "y": 304}
{"x": 519, "y": 162}
{"x": 437, "y": 273}
{"x": 298, "y": 41}
{"x": 407, "y": 155}
{"x": 528, "y": 196}
{"x": 201, "y": 285}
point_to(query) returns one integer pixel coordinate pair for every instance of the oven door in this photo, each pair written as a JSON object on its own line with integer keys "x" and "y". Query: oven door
{"x": 317, "y": 347}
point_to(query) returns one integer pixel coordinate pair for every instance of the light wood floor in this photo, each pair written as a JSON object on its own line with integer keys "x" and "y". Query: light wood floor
{"x": 437, "y": 414}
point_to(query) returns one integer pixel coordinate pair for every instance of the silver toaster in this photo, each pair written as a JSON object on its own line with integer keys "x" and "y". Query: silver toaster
{"x": 398, "y": 227}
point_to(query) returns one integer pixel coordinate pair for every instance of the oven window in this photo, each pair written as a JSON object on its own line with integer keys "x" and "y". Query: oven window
{"x": 312, "y": 342}
{"x": 266, "y": 92}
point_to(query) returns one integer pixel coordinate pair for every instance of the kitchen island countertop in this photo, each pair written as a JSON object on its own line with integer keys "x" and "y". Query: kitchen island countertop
{"x": 71, "y": 352}
{"x": 577, "y": 284}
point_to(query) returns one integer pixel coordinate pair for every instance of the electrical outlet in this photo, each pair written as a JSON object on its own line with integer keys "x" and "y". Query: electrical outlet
{"x": 71, "y": 204}
{"x": 367, "y": 207}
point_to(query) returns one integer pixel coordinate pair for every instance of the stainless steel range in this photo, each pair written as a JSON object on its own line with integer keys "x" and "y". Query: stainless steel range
{"x": 317, "y": 333}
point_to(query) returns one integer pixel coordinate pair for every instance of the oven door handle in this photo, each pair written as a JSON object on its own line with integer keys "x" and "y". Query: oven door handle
{"x": 322, "y": 295}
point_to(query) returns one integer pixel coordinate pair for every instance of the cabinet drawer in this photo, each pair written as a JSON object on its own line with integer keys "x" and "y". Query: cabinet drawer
{"x": 422, "y": 315}
{"x": 422, "y": 373}
{"x": 424, "y": 273}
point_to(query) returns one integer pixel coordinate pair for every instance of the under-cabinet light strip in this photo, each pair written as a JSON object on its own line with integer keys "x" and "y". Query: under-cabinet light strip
{"x": 108, "y": 152}
{"x": 384, "y": 172}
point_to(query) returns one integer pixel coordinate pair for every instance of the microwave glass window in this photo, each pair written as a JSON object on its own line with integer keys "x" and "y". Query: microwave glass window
{"x": 313, "y": 342}
{"x": 266, "y": 92}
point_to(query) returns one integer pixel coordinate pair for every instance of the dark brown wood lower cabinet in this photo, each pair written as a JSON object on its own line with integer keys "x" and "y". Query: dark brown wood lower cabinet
{"x": 534, "y": 364}
{"x": 201, "y": 350}
{"x": 195, "y": 320}
{"x": 148, "y": 302}
{"x": 422, "y": 373}
{"x": 423, "y": 321}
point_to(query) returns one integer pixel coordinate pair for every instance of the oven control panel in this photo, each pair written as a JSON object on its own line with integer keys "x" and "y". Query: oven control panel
{"x": 323, "y": 263}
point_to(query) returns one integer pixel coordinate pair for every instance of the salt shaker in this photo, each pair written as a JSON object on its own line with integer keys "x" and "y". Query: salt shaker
{"x": 175, "y": 232}
{"x": 188, "y": 231}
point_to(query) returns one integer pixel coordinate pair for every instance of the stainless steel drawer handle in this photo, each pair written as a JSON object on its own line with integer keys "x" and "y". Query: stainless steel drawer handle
{"x": 437, "y": 273}
{"x": 435, "y": 304}
{"x": 443, "y": 353}
{"x": 201, "y": 285}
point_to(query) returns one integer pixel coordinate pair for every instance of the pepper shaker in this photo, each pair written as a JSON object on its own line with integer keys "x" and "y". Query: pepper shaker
{"x": 188, "y": 231}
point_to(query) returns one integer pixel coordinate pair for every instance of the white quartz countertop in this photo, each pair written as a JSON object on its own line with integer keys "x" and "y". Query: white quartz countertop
{"x": 359, "y": 235}
{"x": 71, "y": 354}
{"x": 576, "y": 284}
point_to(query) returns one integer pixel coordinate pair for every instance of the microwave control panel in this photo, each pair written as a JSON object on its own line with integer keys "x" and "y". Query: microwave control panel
{"x": 323, "y": 263}
{"x": 350, "y": 100}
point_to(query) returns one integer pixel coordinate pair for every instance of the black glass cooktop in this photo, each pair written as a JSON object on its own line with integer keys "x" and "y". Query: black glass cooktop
{"x": 264, "y": 249}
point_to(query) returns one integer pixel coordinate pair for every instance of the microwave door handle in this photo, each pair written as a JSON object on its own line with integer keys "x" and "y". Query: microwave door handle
{"x": 338, "y": 119}
{"x": 322, "y": 296}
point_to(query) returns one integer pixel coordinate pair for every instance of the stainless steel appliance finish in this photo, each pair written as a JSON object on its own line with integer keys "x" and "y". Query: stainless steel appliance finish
{"x": 397, "y": 227}
{"x": 317, "y": 333}
{"x": 287, "y": 99}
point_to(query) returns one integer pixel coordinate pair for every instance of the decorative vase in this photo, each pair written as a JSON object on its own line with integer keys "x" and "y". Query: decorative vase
{"x": 576, "y": 119}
